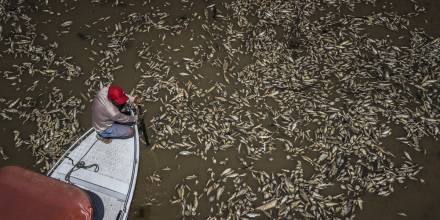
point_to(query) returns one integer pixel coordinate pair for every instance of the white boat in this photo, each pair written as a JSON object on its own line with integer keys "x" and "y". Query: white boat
{"x": 107, "y": 172}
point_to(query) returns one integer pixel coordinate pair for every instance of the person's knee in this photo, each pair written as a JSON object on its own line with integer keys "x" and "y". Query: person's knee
{"x": 130, "y": 133}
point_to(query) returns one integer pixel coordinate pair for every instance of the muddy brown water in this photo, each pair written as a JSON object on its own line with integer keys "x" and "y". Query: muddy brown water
{"x": 151, "y": 200}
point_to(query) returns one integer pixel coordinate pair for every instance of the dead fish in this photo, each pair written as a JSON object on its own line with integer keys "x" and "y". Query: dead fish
{"x": 267, "y": 206}
{"x": 220, "y": 192}
{"x": 185, "y": 153}
{"x": 402, "y": 214}
{"x": 3, "y": 154}
{"x": 14, "y": 103}
{"x": 66, "y": 23}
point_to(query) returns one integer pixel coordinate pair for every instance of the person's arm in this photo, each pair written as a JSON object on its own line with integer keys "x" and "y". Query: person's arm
{"x": 117, "y": 116}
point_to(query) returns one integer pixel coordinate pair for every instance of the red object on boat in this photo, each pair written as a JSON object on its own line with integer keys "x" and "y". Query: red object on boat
{"x": 25, "y": 194}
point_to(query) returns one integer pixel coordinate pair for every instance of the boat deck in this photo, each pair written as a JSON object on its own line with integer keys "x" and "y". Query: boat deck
{"x": 105, "y": 170}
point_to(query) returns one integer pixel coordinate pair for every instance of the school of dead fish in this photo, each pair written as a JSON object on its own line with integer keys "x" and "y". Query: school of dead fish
{"x": 262, "y": 77}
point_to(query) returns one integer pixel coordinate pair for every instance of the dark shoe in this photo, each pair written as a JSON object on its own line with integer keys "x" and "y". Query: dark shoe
{"x": 104, "y": 140}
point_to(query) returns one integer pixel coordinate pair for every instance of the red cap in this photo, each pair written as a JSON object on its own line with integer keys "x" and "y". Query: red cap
{"x": 117, "y": 94}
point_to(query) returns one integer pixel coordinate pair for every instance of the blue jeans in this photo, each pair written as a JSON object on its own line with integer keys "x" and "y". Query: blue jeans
{"x": 118, "y": 131}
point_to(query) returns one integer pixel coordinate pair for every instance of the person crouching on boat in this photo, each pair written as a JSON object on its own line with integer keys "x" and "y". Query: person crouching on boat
{"x": 107, "y": 118}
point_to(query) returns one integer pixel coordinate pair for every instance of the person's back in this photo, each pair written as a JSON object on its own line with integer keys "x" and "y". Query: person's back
{"x": 107, "y": 119}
